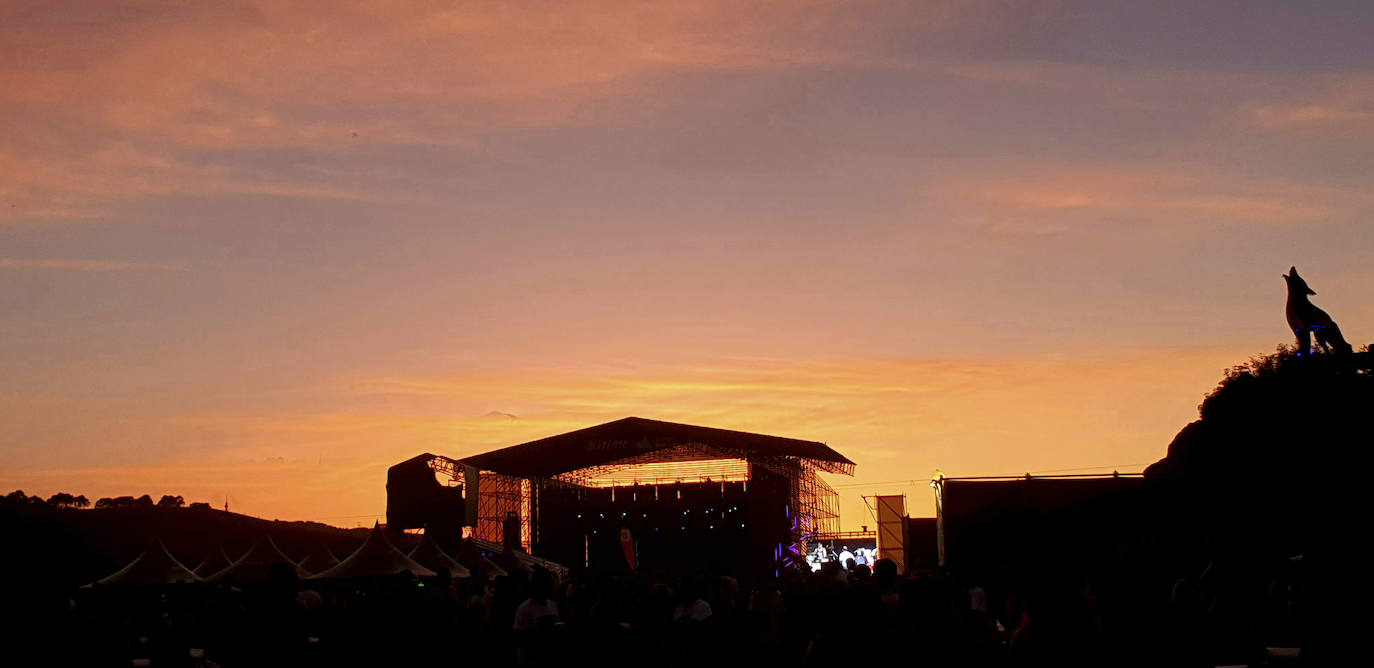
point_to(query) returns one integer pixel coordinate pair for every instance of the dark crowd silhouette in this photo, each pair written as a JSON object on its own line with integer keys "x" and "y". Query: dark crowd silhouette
{"x": 825, "y": 618}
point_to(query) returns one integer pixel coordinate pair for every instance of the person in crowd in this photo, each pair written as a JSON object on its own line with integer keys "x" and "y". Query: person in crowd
{"x": 690, "y": 606}
{"x": 536, "y": 620}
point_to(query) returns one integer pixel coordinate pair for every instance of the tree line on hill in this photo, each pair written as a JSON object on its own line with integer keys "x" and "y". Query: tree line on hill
{"x": 65, "y": 500}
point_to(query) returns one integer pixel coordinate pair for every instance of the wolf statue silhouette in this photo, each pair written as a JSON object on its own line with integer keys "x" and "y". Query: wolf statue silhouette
{"x": 1305, "y": 319}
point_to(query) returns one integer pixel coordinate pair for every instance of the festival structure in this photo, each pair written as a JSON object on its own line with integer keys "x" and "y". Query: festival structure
{"x": 984, "y": 522}
{"x": 631, "y": 492}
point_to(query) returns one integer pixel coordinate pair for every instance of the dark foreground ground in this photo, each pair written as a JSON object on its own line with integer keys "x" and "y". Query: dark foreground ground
{"x": 825, "y": 619}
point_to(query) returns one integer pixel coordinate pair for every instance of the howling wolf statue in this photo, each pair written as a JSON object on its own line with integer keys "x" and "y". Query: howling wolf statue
{"x": 1305, "y": 319}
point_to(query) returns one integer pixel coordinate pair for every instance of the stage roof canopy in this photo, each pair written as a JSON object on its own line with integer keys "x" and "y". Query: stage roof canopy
{"x": 634, "y": 437}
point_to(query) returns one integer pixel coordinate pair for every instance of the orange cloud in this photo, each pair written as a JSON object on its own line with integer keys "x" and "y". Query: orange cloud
{"x": 268, "y": 72}
{"x": 113, "y": 93}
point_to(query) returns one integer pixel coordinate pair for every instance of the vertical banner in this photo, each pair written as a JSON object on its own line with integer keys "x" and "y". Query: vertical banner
{"x": 939, "y": 484}
{"x": 471, "y": 478}
{"x": 627, "y": 545}
{"x": 892, "y": 529}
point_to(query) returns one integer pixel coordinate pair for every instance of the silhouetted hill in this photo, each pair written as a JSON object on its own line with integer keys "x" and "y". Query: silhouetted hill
{"x": 64, "y": 547}
{"x": 1280, "y": 453}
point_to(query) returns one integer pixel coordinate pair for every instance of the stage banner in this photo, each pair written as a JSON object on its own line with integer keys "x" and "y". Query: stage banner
{"x": 471, "y": 493}
{"x": 892, "y": 529}
{"x": 627, "y": 545}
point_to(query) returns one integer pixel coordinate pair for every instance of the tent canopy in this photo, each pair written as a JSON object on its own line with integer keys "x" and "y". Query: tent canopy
{"x": 320, "y": 560}
{"x": 519, "y": 559}
{"x": 376, "y": 557}
{"x": 215, "y": 561}
{"x": 428, "y": 554}
{"x": 470, "y": 555}
{"x": 253, "y": 566}
{"x": 155, "y": 566}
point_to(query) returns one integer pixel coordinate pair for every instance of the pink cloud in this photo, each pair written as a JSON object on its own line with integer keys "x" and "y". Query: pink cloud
{"x": 1336, "y": 106}
{"x": 1279, "y": 116}
{"x": 1210, "y": 195}
{"x": 114, "y": 92}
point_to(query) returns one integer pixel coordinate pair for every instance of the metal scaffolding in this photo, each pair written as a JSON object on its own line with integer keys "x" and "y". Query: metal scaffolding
{"x": 819, "y": 504}
{"x": 813, "y": 505}
{"x": 497, "y": 496}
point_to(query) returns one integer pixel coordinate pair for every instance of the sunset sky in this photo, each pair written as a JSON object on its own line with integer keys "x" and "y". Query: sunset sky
{"x": 262, "y": 250}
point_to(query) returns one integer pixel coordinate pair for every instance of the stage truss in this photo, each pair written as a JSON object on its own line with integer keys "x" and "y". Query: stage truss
{"x": 813, "y": 505}
{"x": 499, "y": 496}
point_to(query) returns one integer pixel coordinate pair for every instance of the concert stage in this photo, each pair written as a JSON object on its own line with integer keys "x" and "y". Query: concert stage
{"x": 660, "y": 495}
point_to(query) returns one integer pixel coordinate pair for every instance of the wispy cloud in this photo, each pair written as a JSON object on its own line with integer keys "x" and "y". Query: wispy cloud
{"x": 1338, "y": 106}
{"x": 54, "y": 264}
{"x": 124, "y": 100}
{"x": 128, "y": 100}
{"x": 268, "y": 73}
{"x": 1288, "y": 116}
{"x": 1199, "y": 194}
{"x": 37, "y": 186}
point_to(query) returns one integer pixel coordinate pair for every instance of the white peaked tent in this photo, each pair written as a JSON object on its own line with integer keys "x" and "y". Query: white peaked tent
{"x": 431, "y": 556}
{"x": 377, "y": 556}
{"x": 320, "y": 560}
{"x": 155, "y": 566}
{"x": 215, "y": 561}
{"x": 253, "y": 566}
{"x": 519, "y": 560}
{"x": 470, "y": 556}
